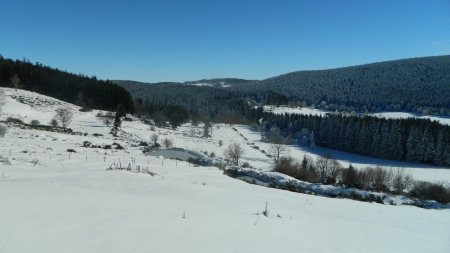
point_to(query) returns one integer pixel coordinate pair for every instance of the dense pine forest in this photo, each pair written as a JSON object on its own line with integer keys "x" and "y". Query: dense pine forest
{"x": 414, "y": 140}
{"x": 77, "y": 89}
{"x": 416, "y": 85}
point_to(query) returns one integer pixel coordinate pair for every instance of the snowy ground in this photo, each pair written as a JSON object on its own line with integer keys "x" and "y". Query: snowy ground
{"x": 53, "y": 202}
{"x": 388, "y": 115}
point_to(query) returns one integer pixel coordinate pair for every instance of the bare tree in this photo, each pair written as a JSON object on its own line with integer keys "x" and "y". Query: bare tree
{"x": 328, "y": 169}
{"x": 154, "y": 138}
{"x": 234, "y": 152}
{"x": 278, "y": 147}
{"x": 277, "y": 150}
{"x": 64, "y": 115}
{"x": 167, "y": 143}
{"x": 401, "y": 181}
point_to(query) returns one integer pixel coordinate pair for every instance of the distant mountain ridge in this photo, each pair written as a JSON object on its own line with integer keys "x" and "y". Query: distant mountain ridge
{"x": 216, "y": 82}
{"x": 406, "y": 84}
{"x": 414, "y": 85}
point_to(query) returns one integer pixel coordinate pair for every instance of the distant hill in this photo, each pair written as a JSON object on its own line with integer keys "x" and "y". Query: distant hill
{"x": 417, "y": 84}
{"x": 77, "y": 89}
{"x": 217, "y": 82}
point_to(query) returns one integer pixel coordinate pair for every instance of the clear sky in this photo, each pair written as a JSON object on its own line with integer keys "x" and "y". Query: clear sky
{"x": 178, "y": 40}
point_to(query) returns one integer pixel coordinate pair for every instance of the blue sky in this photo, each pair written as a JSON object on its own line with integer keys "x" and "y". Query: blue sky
{"x": 175, "y": 40}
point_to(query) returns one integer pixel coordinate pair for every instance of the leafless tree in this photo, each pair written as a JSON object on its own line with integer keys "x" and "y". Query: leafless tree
{"x": 401, "y": 181}
{"x": 64, "y": 115}
{"x": 167, "y": 143}
{"x": 154, "y": 138}
{"x": 277, "y": 150}
{"x": 328, "y": 169}
{"x": 234, "y": 152}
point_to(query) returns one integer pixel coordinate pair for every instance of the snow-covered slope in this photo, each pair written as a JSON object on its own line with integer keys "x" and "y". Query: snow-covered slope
{"x": 388, "y": 115}
{"x": 55, "y": 201}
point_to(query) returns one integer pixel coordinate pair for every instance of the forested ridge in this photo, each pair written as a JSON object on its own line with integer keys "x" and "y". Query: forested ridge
{"x": 77, "y": 89}
{"x": 415, "y": 85}
{"x": 419, "y": 85}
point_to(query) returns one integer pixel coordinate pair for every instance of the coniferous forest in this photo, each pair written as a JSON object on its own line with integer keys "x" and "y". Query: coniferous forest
{"x": 77, "y": 89}
{"x": 413, "y": 140}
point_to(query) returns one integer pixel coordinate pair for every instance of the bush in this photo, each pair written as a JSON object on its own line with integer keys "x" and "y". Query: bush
{"x": 143, "y": 144}
{"x": 168, "y": 143}
{"x": 14, "y": 120}
{"x": 246, "y": 165}
{"x": 35, "y": 122}
{"x": 433, "y": 191}
{"x": 54, "y": 123}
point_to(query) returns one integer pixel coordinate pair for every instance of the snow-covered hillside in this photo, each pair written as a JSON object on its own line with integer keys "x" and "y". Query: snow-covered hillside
{"x": 52, "y": 200}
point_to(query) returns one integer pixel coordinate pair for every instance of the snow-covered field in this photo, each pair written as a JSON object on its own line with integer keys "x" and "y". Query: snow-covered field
{"x": 296, "y": 110}
{"x": 51, "y": 201}
{"x": 388, "y": 115}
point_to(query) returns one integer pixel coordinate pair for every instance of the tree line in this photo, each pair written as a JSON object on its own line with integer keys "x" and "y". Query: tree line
{"x": 76, "y": 89}
{"x": 413, "y": 140}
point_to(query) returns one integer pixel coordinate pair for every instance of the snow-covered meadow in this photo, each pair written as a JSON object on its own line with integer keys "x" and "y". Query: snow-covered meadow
{"x": 55, "y": 201}
{"x": 388, "y": 115}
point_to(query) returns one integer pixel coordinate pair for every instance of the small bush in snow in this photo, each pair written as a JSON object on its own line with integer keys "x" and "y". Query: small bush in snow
{"x": 35, "y": 122}
{"x": 54, "y": 123}
{"x": 168, "y": 143}
{"x": 434, "y": 191}
{"x": 154, "y": 138}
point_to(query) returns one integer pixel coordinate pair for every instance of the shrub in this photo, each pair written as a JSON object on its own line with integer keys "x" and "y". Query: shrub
{"x": 14, "y": 120}
{"x": 54, "y": 123}
{"x": 154, "y": 138}
{"x": 168, "y": 143}
{"x": 35, "y": 122}
{"x": 433, "y": 191}
{"x": 246, "y": 165}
